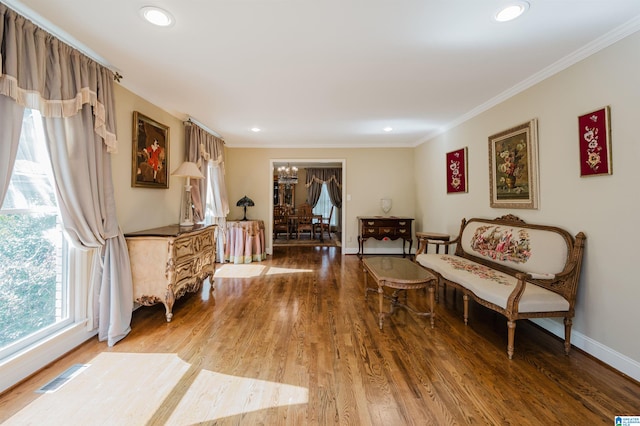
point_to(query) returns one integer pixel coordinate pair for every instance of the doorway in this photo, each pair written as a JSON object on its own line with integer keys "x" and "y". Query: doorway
{"x": 300, "y": 191}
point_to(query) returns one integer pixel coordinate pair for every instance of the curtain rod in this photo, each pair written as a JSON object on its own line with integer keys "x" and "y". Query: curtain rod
{"x": 62, "y": 35}
{"x": 213, "y": 132}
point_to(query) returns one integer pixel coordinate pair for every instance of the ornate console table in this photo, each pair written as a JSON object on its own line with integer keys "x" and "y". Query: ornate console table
{"x": 384, "y": 228}
{"x": 168, "y": 262}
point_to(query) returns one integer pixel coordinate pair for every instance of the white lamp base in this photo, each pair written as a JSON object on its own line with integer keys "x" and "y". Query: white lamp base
{"x": 186, "y": 208}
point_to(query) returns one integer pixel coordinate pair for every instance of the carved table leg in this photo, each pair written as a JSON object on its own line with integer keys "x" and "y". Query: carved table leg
{"x": 432, "y": 297}
{"x": 168, "y": 304}
{"x": 381, "y": 302}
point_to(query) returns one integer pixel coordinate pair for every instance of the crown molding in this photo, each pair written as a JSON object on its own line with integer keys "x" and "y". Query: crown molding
{"x": 630, "y": 27}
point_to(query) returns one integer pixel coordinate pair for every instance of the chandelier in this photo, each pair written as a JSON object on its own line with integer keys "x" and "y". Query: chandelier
{"x": 288, "y": 175}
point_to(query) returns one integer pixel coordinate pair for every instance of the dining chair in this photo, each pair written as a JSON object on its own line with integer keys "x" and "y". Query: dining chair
{"x": 325, "y": 224}
{"x": 280, "y": 221}
{"x": 305, "y": 217}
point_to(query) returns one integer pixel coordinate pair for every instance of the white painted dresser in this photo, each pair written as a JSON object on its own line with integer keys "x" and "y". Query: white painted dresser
{"x": 170, "y": 261}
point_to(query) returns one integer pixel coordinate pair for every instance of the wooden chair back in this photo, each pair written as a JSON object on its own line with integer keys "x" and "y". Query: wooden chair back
{"x": 325, "y": 224}
{"x": 280, "y": 220}
{"x": 304, "y": 215}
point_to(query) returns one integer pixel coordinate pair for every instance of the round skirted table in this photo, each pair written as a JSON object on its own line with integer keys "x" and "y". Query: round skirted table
{"x": 245, "y": 241}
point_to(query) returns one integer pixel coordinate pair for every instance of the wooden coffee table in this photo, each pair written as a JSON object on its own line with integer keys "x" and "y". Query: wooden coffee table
{"x": 399, "y": 274}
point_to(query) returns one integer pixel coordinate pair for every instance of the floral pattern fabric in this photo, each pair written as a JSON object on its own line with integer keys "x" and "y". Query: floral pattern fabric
{"x": 499, "y": 243}
{"x": 481, "y": 271}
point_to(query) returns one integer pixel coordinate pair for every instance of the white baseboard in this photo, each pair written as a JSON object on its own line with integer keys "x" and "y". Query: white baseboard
{"x": 596, "y": 349}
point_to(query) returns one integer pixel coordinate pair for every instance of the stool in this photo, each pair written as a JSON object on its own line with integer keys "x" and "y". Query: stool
{"x": 435, "y": 237}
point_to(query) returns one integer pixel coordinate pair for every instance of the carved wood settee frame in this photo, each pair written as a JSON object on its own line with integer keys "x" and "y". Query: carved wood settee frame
{"x": 561, "y": 279}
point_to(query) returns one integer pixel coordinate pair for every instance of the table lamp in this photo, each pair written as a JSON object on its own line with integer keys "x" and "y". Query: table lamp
{"x": 190, "y": 171}
{"x": 244, "y": 202}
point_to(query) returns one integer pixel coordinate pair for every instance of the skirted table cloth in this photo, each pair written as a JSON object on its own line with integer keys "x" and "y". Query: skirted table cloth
{"x": 245, "y": 241}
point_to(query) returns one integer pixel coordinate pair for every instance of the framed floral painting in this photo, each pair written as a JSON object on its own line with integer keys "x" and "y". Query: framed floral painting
{"x": 513, "y": 167}
{"x": 457, "y": 171}
{"x": 595, "y": 143}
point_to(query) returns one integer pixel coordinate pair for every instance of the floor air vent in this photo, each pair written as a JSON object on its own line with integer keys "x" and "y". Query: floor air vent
{"x": 63, "y": 378}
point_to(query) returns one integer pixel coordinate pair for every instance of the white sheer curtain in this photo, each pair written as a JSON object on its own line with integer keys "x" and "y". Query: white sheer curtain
{"x": 74, "y": 94}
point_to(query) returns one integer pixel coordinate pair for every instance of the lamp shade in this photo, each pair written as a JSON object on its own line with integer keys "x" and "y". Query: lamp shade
{"x": 245, "y": 202}
{"x": 188, "y": 169}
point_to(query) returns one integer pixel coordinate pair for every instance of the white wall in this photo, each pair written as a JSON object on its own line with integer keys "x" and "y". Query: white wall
{"x": 604, "y": 207}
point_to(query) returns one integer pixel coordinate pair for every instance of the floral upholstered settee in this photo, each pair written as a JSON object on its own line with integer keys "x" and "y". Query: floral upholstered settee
{"x": 516, "y": 269}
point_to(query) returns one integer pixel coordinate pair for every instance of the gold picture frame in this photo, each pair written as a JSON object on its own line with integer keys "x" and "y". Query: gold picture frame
{"x": 513, "y": 167}
{"x": 150, "y": 154}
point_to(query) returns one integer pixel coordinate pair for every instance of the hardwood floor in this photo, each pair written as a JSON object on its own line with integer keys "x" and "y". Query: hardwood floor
{"x": 300, "y": 318}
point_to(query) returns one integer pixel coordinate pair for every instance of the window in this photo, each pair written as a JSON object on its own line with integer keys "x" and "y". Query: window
{"x": 34, "y": 290}
{"x": 324, "y": 206}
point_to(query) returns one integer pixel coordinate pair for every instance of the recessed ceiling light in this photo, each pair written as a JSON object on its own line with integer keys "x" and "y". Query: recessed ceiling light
{"x": 255, "y": 129}
{"x": 511, "y": 11}
{"x": 388, "y": 129}
{"x": 157, "y": 16}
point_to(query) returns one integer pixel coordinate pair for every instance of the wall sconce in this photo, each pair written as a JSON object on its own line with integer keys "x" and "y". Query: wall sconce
{"x": 190, "y": 171}
{"x": 244, "y": 202}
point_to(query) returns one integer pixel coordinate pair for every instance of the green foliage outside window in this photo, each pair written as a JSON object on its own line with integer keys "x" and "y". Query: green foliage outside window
{"x": 27, "y": 274}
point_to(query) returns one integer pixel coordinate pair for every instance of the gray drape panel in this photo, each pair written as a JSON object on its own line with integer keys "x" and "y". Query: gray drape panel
{"x": 314, "y": 181}
{"x": 334, "y": 186}
{"x": 10, "y": 126}
{"x": 205, "y": 149}
{"x": 74, "y": 94}
{"x": 84, "y": 189}
{"x": 332, "y": 177}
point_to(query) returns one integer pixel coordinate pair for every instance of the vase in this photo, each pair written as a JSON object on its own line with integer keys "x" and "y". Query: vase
{"x": 385, "y": 205}
{"x": 510, "y": 181}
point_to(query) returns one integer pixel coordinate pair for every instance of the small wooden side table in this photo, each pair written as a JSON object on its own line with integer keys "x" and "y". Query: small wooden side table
{"x": 400, "y": 275}
{"x": 435, "y": 237}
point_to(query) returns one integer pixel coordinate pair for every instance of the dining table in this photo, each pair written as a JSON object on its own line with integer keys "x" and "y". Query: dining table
{"x": 293, "y": 223}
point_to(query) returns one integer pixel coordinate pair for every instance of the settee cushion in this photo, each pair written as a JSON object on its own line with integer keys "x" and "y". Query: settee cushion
{"x": 492, "y": 285}
{"x": 539, "y": 251}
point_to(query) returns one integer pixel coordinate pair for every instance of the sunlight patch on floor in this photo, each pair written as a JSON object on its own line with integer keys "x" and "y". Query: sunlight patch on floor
{"x": 274, "y": 271}
{"x": 229, "y": 270}
{"x": 118, "y": 388}
{"x": 130, "y": 388}
{"x": 214, "y": 396}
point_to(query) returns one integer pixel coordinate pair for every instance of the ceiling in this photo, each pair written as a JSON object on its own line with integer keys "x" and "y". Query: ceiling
{"x": 333, "y": 73}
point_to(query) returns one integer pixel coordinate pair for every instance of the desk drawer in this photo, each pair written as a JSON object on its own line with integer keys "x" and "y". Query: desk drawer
{"x": 383, "y": 231}
{"x": 397, "y": 223}
{"x": 403, "y": 232}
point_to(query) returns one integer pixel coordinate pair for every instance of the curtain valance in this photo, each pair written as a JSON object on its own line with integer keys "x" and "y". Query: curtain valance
{"x": 324, "y": 176}
{"x": 41, "y": 72}
{"x": 332, "y": 177}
